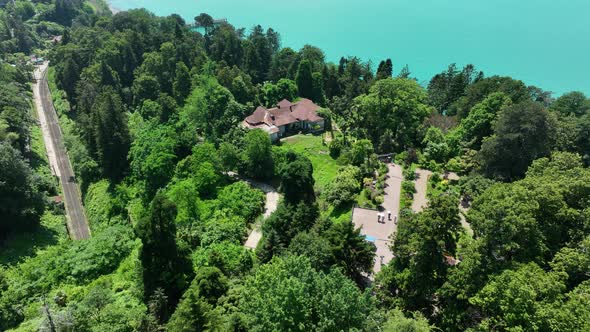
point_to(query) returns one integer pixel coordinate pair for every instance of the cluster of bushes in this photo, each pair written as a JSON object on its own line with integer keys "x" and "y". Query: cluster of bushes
{"x": 360, "y": 154}
{"x": 438, "y": 185}
{"x": 344, "y": 187}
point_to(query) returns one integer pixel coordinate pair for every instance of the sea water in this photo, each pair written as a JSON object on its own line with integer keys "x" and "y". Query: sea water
{"x": 545, "y": 43}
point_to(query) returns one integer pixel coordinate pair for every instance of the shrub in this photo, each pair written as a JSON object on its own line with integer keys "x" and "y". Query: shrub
{"x": 231, "y": 258}
{"x": 401, "y": 158}
{"x": 379, "y": 200}
{"x": 431, "y": 165}
{"x": 413, "y": 156}
{"x": 241, "y": 200}
{"x": 409, "y": 174}
{"x": 336, "y": 148}
{"x": 473, "y": 186}
{"x": 405, "y": 213}
{"x": 383, "y": 169}
{"x": 435, "y": 178}
{"x": 409, "y": 188}
{"x": 454, "y": 165}
{"x": 344, "y": 187}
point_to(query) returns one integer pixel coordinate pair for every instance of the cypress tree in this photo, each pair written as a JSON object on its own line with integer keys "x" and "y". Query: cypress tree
{"x": 304, "y": 79}
{"x": 182, "y": 83}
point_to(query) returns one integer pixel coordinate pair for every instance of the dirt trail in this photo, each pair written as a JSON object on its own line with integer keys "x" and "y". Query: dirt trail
{"x": 270, "y": 206}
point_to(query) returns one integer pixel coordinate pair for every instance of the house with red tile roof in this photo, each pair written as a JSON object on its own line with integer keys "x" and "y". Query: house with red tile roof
{"x": 286, "y": 118}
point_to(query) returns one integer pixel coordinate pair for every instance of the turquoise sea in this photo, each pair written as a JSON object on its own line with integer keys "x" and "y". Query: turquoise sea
{"x": 542, "y": 42}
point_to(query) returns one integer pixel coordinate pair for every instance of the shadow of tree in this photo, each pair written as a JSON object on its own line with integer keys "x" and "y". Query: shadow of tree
{"x": 16, "y": 247}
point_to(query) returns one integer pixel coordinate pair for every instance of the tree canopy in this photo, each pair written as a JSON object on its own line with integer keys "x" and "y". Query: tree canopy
{"x": 152, "y": 113}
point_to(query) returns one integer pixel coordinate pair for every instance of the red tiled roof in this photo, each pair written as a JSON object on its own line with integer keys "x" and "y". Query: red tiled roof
{"x": 258, "y": 116}
{"x": 284, "y": 104}
{"x": 452, "y": 261}
{"x": 282, "y": 116}
{"x": 286, "y": 113}
{"x": 305, "y": 109}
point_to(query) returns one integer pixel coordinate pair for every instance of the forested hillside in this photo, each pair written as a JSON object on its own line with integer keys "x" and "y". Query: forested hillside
{"x": 151, "y": 107}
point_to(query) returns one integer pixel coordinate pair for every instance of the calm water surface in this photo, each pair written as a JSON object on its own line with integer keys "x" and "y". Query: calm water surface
{"x": 544, "y": 43}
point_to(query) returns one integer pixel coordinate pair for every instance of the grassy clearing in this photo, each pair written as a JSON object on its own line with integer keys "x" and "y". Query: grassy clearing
{"x": 337, "y": 214}
{"x": 324, "y": 166}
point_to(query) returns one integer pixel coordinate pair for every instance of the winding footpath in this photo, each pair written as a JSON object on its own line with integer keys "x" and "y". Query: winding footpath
{"x": 270, "y": 206}
{"x": 421, "y": 200}
{"x": 421, "y": 183}
{"x": 58, "y": 158}
{"x": 462, "y": 209}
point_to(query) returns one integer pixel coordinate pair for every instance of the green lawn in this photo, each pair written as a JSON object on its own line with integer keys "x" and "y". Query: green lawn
{"x": 324, "y": 166}
{"x": 338, "y": 215}
{"x": 324, "y": 170}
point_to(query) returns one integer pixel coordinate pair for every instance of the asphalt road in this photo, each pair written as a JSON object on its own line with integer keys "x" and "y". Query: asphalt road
{"x": 76, "y": 219}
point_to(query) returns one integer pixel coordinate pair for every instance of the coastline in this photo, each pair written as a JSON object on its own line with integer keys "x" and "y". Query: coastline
{"x": 437, "y": 39}
{"x": 114, "y": 10}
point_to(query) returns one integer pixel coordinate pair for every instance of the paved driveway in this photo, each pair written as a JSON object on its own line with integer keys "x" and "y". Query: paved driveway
{"x": 380, "y": 233}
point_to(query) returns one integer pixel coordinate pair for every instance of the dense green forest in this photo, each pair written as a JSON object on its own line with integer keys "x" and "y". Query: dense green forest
{"x": 151, "y": 107}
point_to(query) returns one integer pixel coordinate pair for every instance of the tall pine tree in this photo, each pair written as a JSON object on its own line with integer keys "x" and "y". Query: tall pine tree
{"x": 163, "y": 266}
{"x": 111, "y": 134}
{"x": 385, "y": 69}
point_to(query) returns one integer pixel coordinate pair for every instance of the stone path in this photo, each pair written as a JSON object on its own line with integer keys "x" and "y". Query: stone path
{"x": 270, "y": 206}
{"x": 421, "y": 183}
{"x": 462, "y": 209}
{"x": 380, "y": 233}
